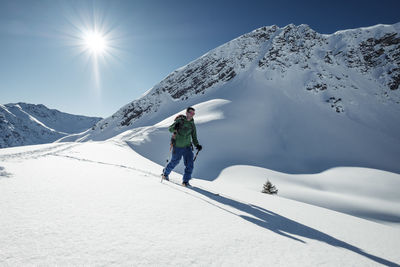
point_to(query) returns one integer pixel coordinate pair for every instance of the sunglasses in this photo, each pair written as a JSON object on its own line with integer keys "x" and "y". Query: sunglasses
{"x": 191, "y": 113}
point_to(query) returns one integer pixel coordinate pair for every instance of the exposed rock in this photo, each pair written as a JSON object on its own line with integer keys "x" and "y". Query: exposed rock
{"x": 375, "y": 54}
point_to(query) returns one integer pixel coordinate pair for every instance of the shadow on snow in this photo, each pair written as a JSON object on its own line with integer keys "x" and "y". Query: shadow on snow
{"x": 285, "y": 226}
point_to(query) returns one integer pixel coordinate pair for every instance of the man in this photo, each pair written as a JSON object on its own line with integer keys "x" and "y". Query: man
{"x": 184, "y": 132}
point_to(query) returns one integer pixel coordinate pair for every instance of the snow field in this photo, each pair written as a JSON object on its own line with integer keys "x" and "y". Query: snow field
{"x": 103, "y": 204}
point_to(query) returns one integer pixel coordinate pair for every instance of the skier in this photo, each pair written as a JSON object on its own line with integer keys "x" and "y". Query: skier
{"x": 184, "y": 131}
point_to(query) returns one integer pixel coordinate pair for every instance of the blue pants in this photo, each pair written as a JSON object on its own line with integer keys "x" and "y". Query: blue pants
{"x": 177, "y": 154}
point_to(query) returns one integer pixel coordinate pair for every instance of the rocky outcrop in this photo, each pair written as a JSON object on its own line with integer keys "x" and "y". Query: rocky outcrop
{"x": 324, "y": 60}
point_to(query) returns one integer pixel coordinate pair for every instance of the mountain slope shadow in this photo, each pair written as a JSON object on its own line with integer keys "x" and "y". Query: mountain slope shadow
{"x": 285, "y": 226}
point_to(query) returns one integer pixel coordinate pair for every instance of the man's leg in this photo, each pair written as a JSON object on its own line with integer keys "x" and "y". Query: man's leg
{"x": 176, "y": 157}
{"x": 188, "y": 160}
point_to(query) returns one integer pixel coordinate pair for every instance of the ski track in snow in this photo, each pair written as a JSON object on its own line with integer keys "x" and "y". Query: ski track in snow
{"x": 36, "y": 153}
{"x": 248, "y": 212}
{"x": 57, "y": 149}
{"x": 172, "y": 183}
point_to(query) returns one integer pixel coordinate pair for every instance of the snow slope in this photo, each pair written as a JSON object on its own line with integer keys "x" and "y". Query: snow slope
{"x": 101, "y": 203}
{"x": 289, "y": 99}
{"x": 28, "y": 124}
{"x": 344, "y": 189}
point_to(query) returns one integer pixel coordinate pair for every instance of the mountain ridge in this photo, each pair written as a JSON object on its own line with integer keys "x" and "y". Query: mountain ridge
{"x": 28, "y": 124}
{"x": 220, "y": 65}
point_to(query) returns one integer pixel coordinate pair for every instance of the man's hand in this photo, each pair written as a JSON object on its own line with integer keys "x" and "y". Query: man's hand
{"x": 199, "y": 147}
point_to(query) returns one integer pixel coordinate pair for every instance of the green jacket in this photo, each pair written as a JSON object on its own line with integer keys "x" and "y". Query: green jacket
{"x": 185, "y": 134}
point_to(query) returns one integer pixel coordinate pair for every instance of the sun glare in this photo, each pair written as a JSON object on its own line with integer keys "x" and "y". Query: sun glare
{"x": 94, "y": 37}
{"x": 95, "y": 43}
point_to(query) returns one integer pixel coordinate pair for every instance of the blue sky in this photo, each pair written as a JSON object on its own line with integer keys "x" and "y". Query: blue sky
{"x": 43, "y": 60}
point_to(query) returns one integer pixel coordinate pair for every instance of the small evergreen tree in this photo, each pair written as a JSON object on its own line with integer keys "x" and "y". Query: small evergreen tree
{"x": 269, "y": 188}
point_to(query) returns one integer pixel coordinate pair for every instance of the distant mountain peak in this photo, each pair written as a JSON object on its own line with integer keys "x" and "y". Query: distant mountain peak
{"x": 28, "y": 124}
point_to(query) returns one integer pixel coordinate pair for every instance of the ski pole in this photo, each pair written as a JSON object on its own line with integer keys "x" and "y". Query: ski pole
{"x": 196, "y": 155}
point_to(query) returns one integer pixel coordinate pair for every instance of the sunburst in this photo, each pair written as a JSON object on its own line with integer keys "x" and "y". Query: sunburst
{"x": 93, "y": 38}
{"x": 95, "y": 43}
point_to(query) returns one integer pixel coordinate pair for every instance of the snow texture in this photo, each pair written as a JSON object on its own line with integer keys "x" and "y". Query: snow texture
{"x": 101, "y": 203}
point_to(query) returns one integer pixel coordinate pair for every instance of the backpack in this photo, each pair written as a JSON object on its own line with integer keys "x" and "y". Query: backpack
{"x": 177, "y": 118}
{"x": 180, "y": 117}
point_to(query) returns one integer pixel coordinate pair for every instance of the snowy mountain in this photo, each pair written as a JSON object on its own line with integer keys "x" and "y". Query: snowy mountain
{"x": 287, "y": 99}
{"x": 314, "y": 114}
{"x": 28, "y": 124}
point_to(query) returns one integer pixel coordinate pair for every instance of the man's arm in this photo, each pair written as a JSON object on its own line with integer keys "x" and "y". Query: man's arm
{"x": 172, "y": 128}
{"x": 194, "y": 136}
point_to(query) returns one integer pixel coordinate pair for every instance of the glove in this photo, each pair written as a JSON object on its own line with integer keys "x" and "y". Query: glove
{"x": 177, "y": 126}
{"x": 199, "y": 147}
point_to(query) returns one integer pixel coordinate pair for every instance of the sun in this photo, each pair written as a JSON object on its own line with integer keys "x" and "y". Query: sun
{"x": 95, "y": 43}
{"x": 95, "y": 38}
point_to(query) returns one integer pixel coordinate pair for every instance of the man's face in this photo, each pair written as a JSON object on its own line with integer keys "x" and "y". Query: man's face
{"x": 190, "y": 114}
